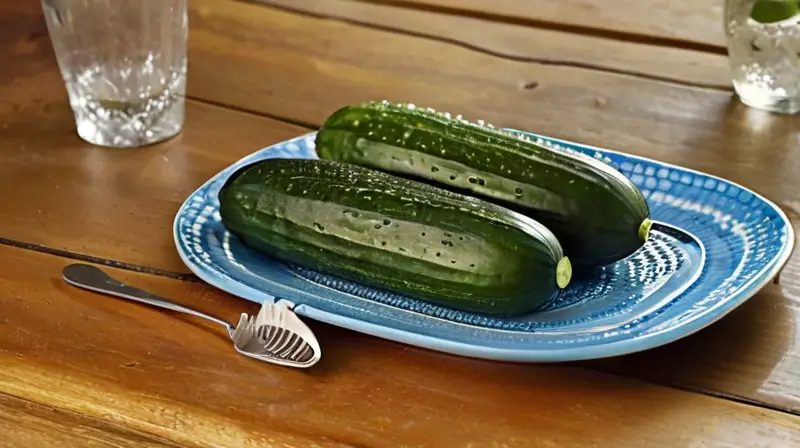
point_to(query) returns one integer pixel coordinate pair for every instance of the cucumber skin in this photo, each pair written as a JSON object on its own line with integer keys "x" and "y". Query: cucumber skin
{"x": 594, "y": 210}
{"x": 263, "y": 204}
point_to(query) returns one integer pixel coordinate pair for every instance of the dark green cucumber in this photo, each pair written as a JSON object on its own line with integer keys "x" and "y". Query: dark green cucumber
{"x": 598, "y": 215}
{"x": 394, "y": 233}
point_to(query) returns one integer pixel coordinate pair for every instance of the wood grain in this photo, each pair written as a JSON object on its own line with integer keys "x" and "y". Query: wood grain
{"x": 27, "y": 424}
{"x": 178, "y": 379}
{"x": 751, "y": 355}
{"x": 701, "y": 129}
{"x": 116, "y": 204}
{"x": 120, "y": 204}
{"x": 526, "y": 44}
{"x": 252, "y": 56}
{"x": 696, "y": 23}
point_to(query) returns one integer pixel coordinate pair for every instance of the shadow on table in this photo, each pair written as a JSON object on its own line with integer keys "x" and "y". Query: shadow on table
{"x": 750, "y": 354}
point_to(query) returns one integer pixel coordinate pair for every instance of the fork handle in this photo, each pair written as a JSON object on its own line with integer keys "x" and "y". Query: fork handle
{"x": 92, "y": 278}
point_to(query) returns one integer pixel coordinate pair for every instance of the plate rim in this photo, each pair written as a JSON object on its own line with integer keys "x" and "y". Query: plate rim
{"x": 602, "y": 350}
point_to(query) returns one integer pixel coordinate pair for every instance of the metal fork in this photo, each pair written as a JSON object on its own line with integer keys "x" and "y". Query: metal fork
{"x": 274, "y": 335}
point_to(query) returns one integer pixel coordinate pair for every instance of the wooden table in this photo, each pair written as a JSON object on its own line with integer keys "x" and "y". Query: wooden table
{"x": 648, "y": 77}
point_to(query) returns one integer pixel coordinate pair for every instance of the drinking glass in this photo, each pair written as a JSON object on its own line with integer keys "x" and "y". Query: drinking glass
{"x": 764, "y": 52}
{"x": 124, "y": 67}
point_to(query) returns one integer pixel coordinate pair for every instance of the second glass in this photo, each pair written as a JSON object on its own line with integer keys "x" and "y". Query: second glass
{"x": 764, "y": 52}
{"x": 124, "y": 66}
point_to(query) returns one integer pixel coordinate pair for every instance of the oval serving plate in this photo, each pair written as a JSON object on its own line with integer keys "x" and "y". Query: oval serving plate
{"x": 714, "y": 244}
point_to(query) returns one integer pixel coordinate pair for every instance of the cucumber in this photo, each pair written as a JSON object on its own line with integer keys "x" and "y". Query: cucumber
{"x": 598, "y": 215}
{"x": 396, "y": 234}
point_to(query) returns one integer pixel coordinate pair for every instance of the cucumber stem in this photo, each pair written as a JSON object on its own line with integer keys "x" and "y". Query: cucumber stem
{"x": 563, "y": 272}
{"x": 644, "y": 229}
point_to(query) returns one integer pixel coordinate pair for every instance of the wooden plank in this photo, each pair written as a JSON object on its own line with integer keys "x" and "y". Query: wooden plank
{"x": 27, "y": 424}
{"x": 527, "y": 44}
{"x": 285, "y": 64}
{"x": 116, "y": 204}
{"x": 752, "y": 355}
{"x": 251, "y": 56}
{"x": 180, "y": 380}
{"x": 675, "y": 22}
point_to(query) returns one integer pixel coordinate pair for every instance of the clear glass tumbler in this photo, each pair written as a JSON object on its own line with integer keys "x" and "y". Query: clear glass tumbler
{"x": 764, "y": 52}
{"x": 124, "y": 66}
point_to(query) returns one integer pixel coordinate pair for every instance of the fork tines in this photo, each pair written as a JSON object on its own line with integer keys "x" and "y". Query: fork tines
{"x": 277, "y": 333}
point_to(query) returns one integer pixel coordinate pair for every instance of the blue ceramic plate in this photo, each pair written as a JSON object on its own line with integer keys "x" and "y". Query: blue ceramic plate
{"x": 713, "y": 246}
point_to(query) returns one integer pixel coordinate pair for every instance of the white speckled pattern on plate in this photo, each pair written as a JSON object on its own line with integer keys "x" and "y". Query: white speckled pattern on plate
{"x": 713, "y": 246}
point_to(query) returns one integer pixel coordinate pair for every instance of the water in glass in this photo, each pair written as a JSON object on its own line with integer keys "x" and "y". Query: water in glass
{"x": 764, "y": 56}
{"x": 124, "y": 66}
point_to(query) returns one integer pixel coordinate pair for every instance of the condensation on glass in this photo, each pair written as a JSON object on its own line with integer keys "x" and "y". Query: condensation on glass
{"x": 764, "y": 53}
{"x": 124, "y": 67}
